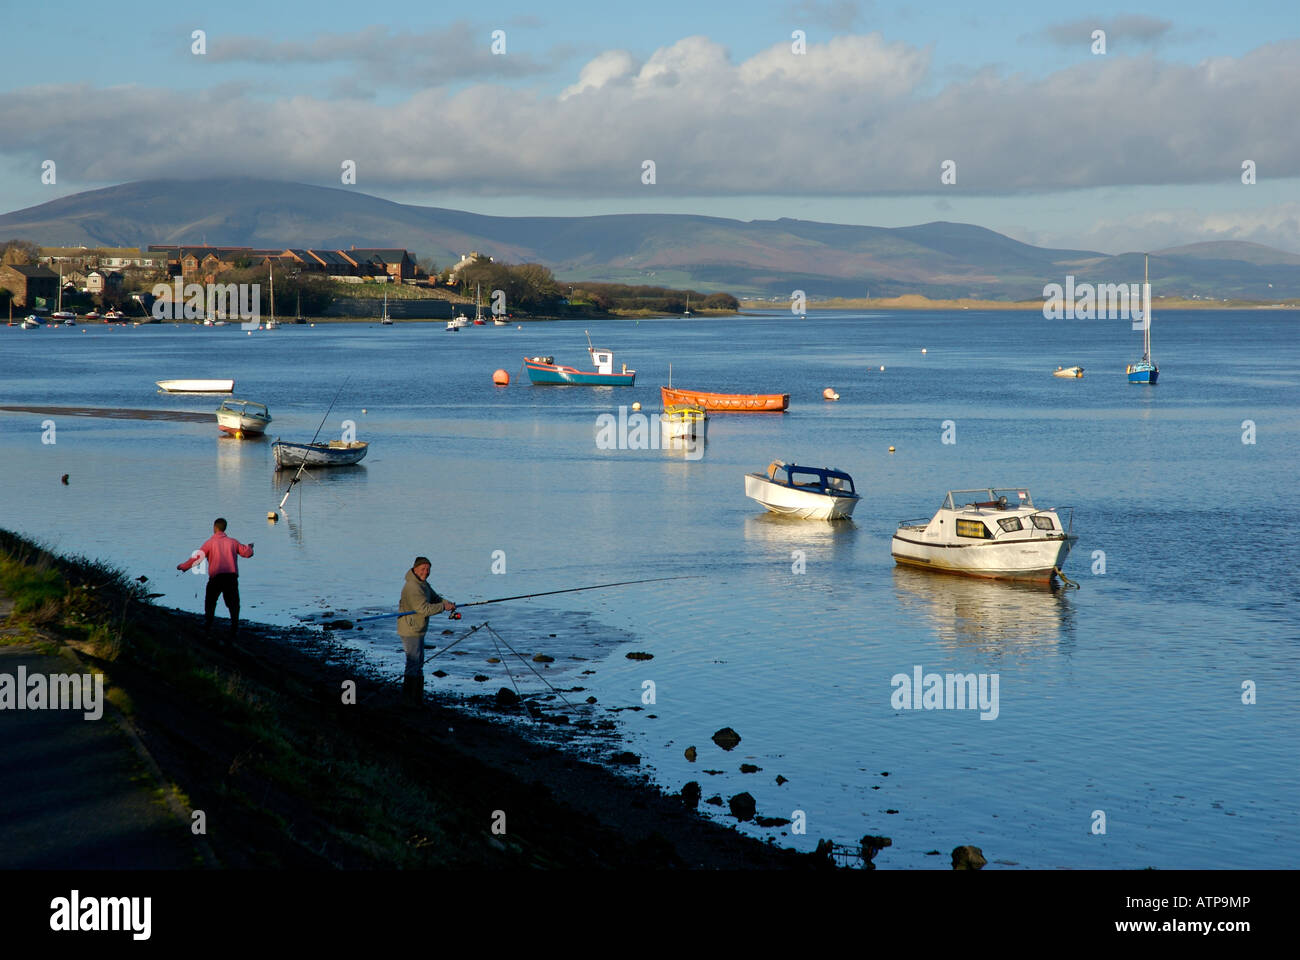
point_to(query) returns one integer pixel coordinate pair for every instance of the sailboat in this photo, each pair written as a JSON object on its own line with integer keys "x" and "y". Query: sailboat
{"x": 688, "y": 305}
{"x": 386, "y": 320}
{"x": 298, "y": 318}
{"x": 66, "y": 317}
{"x": 1145, "y": 370}
{"x": 270, "y": 324}
{"x": 478, "y": 309}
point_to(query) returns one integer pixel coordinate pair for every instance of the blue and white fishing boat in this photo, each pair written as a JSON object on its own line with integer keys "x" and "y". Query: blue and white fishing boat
{"x": 546, "y": 370}
{"x": 1145, "y": 370}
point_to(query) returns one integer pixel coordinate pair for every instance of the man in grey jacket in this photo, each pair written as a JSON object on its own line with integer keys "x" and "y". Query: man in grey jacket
{"x": 423, "y": 602}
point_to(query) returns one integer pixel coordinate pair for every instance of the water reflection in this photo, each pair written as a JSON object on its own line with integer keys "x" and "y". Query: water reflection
{"x": 831, "y": 539}
{"x": 991, "y": 614}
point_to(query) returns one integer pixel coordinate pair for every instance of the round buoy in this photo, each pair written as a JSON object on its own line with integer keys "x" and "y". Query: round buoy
{"x": 239, "y": 434}
{"x": 500, "y": 378}
{"x": 882, "y": 369}
{"x": 891, "y": 449}
{"x": 830, "y": 394}
{"x": 313, "y": 324}
{"x": 923, "y": 350}
{"x": 250, "y": 333}
{"x": 520, "y": 327}
{"x": 636, "y": 405}
{"x": 363, "y": 409}
{"x": 272, "y": 516}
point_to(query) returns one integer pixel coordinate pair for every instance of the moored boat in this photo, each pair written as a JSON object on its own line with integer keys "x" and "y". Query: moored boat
{"x": 683, "y": 421}
{"x": 727, "y": 402}
{"x": 1072, "y": 372}
{"x": 1145, "y": 370}
{"x": 336, "y": 453}
{"x": 809, "y": 493}
{"x": 546, "y": 370}
{"x": 996, "y": 533}
{"x": 196, "y": 386}
{"x": 242, "y": 418}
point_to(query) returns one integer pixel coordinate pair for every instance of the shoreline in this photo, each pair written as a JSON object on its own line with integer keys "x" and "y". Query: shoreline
{"x": 263, "y": 740}
{"x": 916, "y": 301}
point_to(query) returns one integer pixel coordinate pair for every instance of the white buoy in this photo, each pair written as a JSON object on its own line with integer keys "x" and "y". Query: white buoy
{"x": 891, "y": 449}
{"x": 882, "y": 369}
{"x": 363, "y": 409}
{"x": 636, "y": 405}
{"x": 923, "y": 350}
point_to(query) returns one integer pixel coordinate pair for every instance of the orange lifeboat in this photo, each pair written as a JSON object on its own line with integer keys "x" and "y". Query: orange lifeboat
{"x": 728, "y": 402}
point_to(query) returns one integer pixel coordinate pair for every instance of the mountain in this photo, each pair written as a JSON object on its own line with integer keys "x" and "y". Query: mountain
{"x": 758, "y": 257}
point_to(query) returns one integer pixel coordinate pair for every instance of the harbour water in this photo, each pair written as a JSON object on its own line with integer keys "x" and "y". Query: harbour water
{"x": 1124, "y": 697}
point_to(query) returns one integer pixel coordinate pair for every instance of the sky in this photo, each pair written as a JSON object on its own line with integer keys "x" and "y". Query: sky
{"x": 846, "y": 111}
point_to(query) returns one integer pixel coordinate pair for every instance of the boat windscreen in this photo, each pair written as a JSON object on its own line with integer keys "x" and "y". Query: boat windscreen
{"x": 827, "y": 480}
{"x": 1002, "y": 498}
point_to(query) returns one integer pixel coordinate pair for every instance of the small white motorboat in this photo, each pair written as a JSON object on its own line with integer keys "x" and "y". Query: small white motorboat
{"x": 809, "y": 493}
{"x": 196, "y": 386}
{"x": 241, "y": 418}
{"x": 994, "y": 533}
{"x": 1073, "y": 372}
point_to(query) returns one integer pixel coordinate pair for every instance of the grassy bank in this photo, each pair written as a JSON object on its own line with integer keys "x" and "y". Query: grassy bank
{"x": 293, "y": 770}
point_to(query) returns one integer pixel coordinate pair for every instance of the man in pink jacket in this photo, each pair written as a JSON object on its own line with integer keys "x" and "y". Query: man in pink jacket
{"x": 222, "y": 553}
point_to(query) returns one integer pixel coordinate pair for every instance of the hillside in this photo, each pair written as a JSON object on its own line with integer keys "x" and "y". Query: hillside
{"x": 758, "y": 258}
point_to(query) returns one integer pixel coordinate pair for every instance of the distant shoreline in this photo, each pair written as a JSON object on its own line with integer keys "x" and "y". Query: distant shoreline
{"x": 915, "y": 301}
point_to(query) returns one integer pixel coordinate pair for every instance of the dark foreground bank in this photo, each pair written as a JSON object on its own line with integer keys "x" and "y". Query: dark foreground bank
{"x": 297, "y": 757}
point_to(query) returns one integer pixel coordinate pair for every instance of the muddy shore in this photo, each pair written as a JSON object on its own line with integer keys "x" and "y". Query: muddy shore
{"x": 299, "y": 757}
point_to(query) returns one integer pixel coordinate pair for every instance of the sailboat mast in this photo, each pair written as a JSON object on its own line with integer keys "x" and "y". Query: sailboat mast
{"x": 1146, "y": 289}
{"x": 270, "y": 272}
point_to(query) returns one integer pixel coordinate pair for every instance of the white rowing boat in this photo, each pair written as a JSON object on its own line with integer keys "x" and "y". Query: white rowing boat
{"x": 196, "y": 386}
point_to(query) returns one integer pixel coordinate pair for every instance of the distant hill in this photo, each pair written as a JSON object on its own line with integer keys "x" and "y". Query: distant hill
{"x": 755, "y": 258}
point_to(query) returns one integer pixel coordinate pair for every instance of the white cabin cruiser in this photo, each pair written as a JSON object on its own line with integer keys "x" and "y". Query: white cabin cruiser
{"x": 809, "y": 493}
{"x": 994, "y": 533}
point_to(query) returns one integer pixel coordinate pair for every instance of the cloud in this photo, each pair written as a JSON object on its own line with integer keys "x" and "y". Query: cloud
{"x": 854, "y": 116}
{"x": 839, "y": 15}
{"x": 1135, "y": 27}
{"x": 458, "y": 52}
{"x": 1277, "y": 227}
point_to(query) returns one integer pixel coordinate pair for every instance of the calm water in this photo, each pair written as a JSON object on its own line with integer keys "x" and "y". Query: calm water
{"x": 1123, "y": 696}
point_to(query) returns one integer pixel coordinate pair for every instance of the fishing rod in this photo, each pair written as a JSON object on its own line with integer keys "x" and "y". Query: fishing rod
{"x": 455, "y": 614}
{"x": 303, "y": 466}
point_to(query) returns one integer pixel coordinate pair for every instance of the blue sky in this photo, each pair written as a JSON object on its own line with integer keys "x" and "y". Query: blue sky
{"x": 1139, "y": 148}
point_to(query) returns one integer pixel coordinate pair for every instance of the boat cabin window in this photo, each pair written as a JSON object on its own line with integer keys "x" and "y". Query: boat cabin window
{"x": 813, "y": 479}
{"x": 1011, "y": 525}
{"x": 1043, "y": 522}
{"x": 973, "y": 528}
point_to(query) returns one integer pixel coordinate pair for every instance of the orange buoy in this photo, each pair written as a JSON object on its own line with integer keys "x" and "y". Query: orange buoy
{"x": 501, "y": 378}
{"x": 829, "y": 394}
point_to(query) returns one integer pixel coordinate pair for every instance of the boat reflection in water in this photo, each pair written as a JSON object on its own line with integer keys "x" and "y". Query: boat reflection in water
{"x": 1008, "y": 616}
{"x": 820, "y": 542}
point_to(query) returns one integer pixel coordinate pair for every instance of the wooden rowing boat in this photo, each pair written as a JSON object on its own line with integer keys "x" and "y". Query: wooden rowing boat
{"x": 727, "y": 402}
{"x": 336, "y": 453}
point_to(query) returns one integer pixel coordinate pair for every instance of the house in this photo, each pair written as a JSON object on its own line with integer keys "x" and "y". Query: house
{"x": 104, "y": 282}
{"x": 396, "y": 263}
{"x": 31, "y": 286}
{"x": 472, "y": 257}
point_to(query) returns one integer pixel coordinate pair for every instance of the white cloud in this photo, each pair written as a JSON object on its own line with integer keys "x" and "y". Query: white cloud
{"x": 851, "y": 117}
